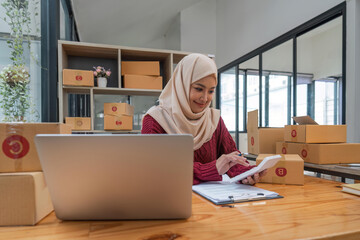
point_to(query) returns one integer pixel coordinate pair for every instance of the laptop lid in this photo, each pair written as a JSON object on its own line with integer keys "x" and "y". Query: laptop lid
{"x": 119, "y": 176}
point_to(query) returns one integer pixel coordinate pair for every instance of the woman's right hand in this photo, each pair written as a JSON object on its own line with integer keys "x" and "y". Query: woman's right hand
{"x": 226, "y": 161}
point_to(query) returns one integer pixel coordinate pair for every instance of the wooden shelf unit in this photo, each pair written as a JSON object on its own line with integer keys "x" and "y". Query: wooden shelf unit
{"x": 84, "y": 56}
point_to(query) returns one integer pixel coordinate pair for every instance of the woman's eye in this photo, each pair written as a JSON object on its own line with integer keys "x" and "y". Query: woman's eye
{"x": 198, "y": 89}
{"x": 211, "y": 91}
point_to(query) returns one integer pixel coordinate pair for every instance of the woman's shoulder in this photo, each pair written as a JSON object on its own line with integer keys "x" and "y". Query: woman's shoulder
{"x": 150, "y": 125}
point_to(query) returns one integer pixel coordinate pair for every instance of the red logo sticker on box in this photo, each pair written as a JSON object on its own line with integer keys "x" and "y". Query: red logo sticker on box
{"x": 281, "y": 172}
{"x": 252, "y": 141}
{"x": 283, "y": 150}
{"x": 304, "y": 153}
{"x": 293, "y": 133}
{"x": 78, "y": 77}
{"x": 118, "y": 122}
{"x": 15, "y": 146}
{"x": 114, "y": 108}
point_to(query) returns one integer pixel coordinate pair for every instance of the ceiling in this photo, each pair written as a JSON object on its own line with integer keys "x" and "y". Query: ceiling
{"x": 135, "y": 23}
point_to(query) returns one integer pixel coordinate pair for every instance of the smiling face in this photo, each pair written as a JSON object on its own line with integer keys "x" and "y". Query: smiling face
{"x": 201, "y": 93}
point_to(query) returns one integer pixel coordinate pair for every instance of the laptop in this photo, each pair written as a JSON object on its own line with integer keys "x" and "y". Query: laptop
{"x": 118, "y": 176}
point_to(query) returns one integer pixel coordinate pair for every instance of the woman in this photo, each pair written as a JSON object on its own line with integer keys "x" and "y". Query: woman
{"x": 184, "y": 108}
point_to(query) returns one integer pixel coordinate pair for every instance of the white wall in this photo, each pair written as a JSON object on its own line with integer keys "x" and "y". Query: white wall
{"x": 244, "y": 25}
{"x": 198, "y": 28}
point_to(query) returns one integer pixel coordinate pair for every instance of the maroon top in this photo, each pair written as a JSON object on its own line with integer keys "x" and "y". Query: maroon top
{"x": 205, "y": 157}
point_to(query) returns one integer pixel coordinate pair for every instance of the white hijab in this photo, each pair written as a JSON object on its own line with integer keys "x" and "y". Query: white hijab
{"x": 174, "y": 113}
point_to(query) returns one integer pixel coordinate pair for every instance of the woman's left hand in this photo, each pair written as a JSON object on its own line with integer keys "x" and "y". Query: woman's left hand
{"x": 251, "y": 180}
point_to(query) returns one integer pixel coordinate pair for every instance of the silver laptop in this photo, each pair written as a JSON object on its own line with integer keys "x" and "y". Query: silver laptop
{"x": 105, "y": 177}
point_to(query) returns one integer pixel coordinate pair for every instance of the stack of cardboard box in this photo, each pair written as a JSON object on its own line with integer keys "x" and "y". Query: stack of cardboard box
{"x": 118, "y": 116}
{"x": 24, "y": 197}
{"x": 262, "y": 142}
{"x": 141, "y": 74}
{"x": 80, "y": 78}
{"x": 320, "y": 144}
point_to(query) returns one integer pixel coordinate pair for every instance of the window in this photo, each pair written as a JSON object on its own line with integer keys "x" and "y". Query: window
{"x": 228, "y": 98}
{"x": 301, "y": 73}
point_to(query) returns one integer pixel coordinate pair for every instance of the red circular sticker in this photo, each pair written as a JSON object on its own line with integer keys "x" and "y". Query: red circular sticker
{"x": 114, "y": 109}
{"x": 252, "y": 141}
{"x": 304, "y": 153}
{"x": 15, "y": 146}
{"x": 283, "y": 150}
{"x": 281, "y": 172}
{"x": 118, "y": 122}
{"x": 79, "y": 123}
{"x": 78, "y": 78}
{"x": 293, "y": 133}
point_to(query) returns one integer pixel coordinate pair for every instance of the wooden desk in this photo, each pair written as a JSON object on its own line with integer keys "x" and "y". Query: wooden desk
{"x": 316, "y": 210}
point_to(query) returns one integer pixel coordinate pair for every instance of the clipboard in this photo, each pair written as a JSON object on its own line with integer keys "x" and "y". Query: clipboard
{"x": 221, "y": 193}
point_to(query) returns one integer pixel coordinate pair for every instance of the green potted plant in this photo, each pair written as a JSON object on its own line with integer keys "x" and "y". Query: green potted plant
{"x": 15, "y": 100}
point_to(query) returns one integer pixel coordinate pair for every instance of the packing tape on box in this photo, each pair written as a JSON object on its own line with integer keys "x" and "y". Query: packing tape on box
{"x": 15, "y": 145}
{"x": 280, "y": 172}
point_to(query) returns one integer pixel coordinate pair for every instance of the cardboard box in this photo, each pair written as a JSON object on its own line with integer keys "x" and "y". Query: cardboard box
{"x": 142, "y": 82}
{"x": 73, "y": 77}
{"x": 262, "y": 140}
{"x": 330, "y": 153}
{"x": 122, "y": 122}
{"x": 18, "y": 151}
{"x": 314, "y": 133}
{"x": 79, "y": 123}
{"x": 25, "y": 198}
{"x": 151, "y": 68}
{"x": 118, "y": 109}
{"x": 289, "y": 170}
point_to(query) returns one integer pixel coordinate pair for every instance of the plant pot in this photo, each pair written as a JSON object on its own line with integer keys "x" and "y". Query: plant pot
{"x": 101, "y": 82}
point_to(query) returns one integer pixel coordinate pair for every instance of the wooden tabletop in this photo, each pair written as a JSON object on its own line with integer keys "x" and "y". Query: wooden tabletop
{"x": 316, "y": 210}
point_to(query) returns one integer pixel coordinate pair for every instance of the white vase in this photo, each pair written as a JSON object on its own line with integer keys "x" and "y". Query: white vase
{"x": 101, "y": 81}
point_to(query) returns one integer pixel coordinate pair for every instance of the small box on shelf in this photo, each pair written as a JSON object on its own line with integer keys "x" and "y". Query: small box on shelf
{"x": 118, "y": 109}
{"x": 79, "y": 123}
{"x": 122, "y": 122}
{"x": 143, "y": 82}
{"x": 73, "y": 77}
{"x": 151, "y": 68}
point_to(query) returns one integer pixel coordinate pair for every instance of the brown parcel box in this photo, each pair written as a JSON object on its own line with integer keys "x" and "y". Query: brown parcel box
{"x": 118, "y": 109}
{"x": 314, "y": 133}
{"x": 330, "y": 153}
{"x": 78, "y": 78}
{"x": 262, "y": 140}
{"x": 78, "y": 123}
{"x": 143, "y": 82}
{"x": 151, "y": 68}
{"x": 289, "y": 170}
{"x": 122, "y": 122}
{"x": 25, "y": 198}
{"x": 18, "y": 152}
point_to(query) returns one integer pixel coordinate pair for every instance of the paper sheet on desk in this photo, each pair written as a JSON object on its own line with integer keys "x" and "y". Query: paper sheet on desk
{"x": 224, "y": 193}
{"x": 268, "y": 162}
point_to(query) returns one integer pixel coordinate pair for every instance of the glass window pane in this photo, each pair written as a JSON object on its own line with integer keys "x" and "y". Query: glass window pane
{"x": 324, "y": 102}
{"x": 250, "y": 70}
{"x": 25, "y": 34}
{"x": 319, "y": 68}
{"x": 227, "y": 98}
{"x": 277, "y": 75}
{"x": 241, "y": 102}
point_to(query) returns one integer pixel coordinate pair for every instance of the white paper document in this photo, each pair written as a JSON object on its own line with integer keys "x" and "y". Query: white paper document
{"x": 268, "y": 162}
{"x": 220, "y": 193}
